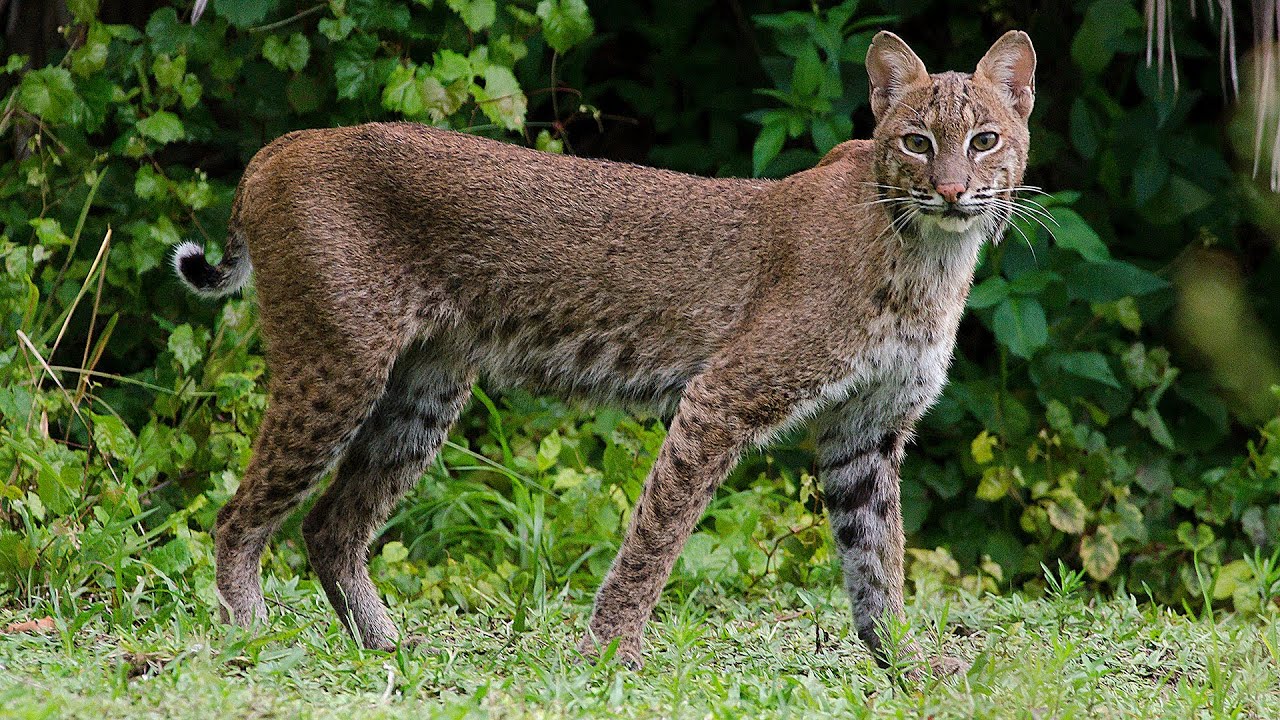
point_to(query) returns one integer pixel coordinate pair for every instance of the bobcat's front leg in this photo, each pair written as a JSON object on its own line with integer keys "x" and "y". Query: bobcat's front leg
{"x": 858, "y": 463}
{"x": 706, "y": 438}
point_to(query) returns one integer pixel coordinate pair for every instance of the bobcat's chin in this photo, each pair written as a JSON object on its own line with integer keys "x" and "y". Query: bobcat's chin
{"x": 950, "y": 222}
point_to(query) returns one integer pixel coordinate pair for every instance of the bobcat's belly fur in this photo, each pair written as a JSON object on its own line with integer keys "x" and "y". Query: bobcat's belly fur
{"x": 397, "y": 263}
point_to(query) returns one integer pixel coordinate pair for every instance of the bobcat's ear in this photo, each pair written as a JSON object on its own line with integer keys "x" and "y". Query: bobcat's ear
{"x": 1010, "y": 65}
{"x": 892, "y": 68}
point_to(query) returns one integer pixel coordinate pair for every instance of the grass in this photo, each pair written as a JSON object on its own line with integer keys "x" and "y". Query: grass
{"x": 784, "y": 654}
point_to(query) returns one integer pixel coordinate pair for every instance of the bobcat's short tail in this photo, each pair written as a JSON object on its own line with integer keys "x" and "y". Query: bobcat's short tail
{"x": 211, "y": 280}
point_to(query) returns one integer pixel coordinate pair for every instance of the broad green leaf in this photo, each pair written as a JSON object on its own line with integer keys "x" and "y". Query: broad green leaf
{"x": 995, "y": 484}
{"x": 546, "y": 143}
{"x": 169, "y": 71}
{"x": 244, "y": 13}
{"x": 356, "y": 69}
{"x": 1230, "y": 578}
{"x": 549, "y": 451}
{"x": 476, "y": 14}
{"x": 185, "y": 349}
{"x": 1073, "y": 233}
{"x": 112, "y": 436}
{"x": 1099, "y": 554}
{"x": 807, "y": 73}
{"x": 1020, "y": 324}
{"x": 565, "y": 23}
{"x": 1084, "y": 136}
{"x": 442, "y": 100}
{"x": 84, "y": 11}
{"x": 1154, "y": 423}
{"x": 163, "y": 127}
{"x": 49, "y": 94}
{"x": 1149, "y": 174}
{"x": 988, "y": 292}
{"x": 403, "y": 92}
{"x": 173, "y": 558}
{"x": 1112, "y": 280}
{"x": 982, "y": 446}
{"x": 1102, "y": 33}
{"x": 449, "y": 66}
{"x": 501, "y": 98}
{"x": 394, "y": 552}
{"x": 337, "y": 28}
{"x": 1067, "y": 512}
{"x": 292, "y": 55}
{"x": 1197, "y": 537}
{"x": 767, "y": 146}
{"x": 1089, "y": 365}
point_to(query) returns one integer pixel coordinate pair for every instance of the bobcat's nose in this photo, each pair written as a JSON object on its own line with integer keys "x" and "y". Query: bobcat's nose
{"x": 950, "y": 191}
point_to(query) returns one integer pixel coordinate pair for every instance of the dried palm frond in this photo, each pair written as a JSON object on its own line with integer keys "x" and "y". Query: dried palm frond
{"x": 1264, "y": 93}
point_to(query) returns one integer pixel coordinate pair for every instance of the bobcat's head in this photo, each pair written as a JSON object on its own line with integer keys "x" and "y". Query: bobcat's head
{"x": 951, "y": 148}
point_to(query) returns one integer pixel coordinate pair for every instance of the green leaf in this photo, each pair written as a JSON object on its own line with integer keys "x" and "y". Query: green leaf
{"x": 1232, "y": 576}
{"x": 356, "y": 70}
{"x": 1020, "y": 324}
{"x": 1154, "y": 423}
{"x": 1102, "y": 33}
{"x": 565, "y": 23}
{"x": 243, "y": 13}
{"x": 988, "y": 292}
{"x": 173, "y": 558}
{"x": 768, "y": 144}
{"x": 995, "y": 484}
{"x": 476, "y": 14}
{"x": 84, "y": 11}
{"x": 149, "y": 184}
{"x": 806, "y": 76}
{"x": 1073, "y": 233}
{"x": 1196, "y": 537}
{"x": 169, "y": 71}
{"x": 337, "y": 28}
{"x": 1067, "y": 512}
{"x": 549, "y": 451}
{"x": 394, "y": 552}
{"x": 1109, "y": 281}
{"x": 50, "y": 94}
{"x": 291, "y": 56}
{"x": 1099, "y": 553}
{"x": 1088, "y": 365}
{"x": 163, "y": 127}
{"x": 185, "y": 349}
{"x": 112, "y": 436}
{"x": 403, "y": 93}
{"x": 1150, "y": 174}
{"x": 546, "y": 143}
{"x": 501, "y": 98}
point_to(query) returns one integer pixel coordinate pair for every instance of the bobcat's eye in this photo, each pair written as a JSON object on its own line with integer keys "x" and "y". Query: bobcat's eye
{"x": 984, "y": 141}
{"x": 916, "y": 143}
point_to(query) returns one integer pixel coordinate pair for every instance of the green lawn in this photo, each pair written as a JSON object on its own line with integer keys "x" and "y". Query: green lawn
{"x": 787, "y": 654}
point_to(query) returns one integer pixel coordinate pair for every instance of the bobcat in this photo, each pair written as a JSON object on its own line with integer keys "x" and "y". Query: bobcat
{"x": 396, "y": 262}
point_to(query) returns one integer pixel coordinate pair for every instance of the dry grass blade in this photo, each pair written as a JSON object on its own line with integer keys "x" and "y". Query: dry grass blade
{"x": 84, "y": 288}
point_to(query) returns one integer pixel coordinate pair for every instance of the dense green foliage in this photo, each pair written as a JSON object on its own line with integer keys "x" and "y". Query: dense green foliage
{"x": 1109, "y": 403}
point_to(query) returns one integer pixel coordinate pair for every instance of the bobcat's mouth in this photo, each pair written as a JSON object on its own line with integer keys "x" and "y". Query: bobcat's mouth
{"x": 952, "y": 218}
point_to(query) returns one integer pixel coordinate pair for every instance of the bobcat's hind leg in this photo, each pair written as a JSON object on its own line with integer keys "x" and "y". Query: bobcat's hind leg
{"x": 393, "y": 448}
{"x": 315, "y": 409}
